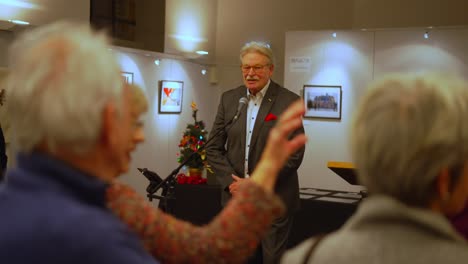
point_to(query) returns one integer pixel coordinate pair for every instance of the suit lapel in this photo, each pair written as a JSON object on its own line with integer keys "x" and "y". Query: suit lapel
{"x": 240, "y": 126}
{"x": 265, "y": 108}
{"x": 241, "y": 122}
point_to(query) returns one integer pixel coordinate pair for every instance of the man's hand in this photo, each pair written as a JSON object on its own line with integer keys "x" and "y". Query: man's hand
{"x": 233, "y": 187}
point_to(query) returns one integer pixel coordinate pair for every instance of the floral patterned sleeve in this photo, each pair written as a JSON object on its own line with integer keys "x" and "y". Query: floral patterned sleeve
{"x": 231, "y": 237}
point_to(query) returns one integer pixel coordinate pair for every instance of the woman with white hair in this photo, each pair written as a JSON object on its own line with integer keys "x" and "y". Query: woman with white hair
{"x": 410, "y": 147}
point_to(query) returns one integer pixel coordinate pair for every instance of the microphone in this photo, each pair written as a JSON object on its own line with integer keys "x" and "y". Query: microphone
{"x": 242, "y": 103}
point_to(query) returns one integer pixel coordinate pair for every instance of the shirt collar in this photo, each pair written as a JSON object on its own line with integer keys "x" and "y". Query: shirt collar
{"x": 261, "y": 93}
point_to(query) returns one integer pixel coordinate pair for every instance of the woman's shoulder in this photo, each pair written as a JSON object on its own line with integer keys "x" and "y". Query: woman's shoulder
{"x": 298, "y": 253}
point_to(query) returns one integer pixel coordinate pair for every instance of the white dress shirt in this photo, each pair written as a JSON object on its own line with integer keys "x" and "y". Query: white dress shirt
{"x": 255, "y": 101}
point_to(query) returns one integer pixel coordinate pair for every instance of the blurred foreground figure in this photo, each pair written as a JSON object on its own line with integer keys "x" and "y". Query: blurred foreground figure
{"x": 410, "y": 146}
{"x": 72, "y": 126}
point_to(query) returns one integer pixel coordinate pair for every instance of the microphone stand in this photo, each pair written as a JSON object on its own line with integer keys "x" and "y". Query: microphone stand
{"x": 169, "y": 181}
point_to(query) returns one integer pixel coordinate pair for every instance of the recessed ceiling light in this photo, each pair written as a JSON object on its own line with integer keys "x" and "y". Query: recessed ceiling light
{"x": 202, "y": 52}
{"x": 18, "y": 22}
{"x": 20, "y": 4}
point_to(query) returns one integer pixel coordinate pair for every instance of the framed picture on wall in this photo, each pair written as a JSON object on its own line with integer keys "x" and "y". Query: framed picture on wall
{"x": 322, "y": 101}
{"x": 170, "y": 96}
{"x": 127, "y": 77}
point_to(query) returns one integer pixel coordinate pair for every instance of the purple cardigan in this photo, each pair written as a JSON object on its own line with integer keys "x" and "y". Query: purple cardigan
{"x": 53, "y": 213}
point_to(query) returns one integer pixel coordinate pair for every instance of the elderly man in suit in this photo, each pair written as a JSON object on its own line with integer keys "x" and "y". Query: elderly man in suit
{"x": 237, "y": 148}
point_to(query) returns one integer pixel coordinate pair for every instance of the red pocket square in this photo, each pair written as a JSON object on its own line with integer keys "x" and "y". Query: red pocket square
{"x": 270, "y": 117}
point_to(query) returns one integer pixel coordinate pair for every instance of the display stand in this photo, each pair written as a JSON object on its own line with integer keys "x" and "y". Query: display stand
{"x": 345, "y": 170}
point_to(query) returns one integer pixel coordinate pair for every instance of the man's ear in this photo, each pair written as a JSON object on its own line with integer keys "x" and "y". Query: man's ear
{"x": 443, "y": 184}
{"x": 108, "y": 124}
{"x": 272, "y": 69}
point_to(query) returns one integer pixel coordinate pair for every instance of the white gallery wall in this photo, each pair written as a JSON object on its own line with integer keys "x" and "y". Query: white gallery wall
{"x": 164, "y": 131}
{"x": 352, "y": 60}
{"x": 5, "y": 40}
{"x": 445, "y": 50}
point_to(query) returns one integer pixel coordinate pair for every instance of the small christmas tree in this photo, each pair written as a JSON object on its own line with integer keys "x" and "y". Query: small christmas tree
{"x": 194, "y": 138}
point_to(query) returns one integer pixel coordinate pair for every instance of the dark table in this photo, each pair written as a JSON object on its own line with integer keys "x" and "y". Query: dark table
{"x": 197, "y": 204}
{"x": 322, "y": 211}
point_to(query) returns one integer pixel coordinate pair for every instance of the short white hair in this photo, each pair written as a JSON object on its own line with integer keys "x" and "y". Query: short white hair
{"x": 62, "y": 75}
{"x": 407, "y": 129}
{"x": 258, "y": 47}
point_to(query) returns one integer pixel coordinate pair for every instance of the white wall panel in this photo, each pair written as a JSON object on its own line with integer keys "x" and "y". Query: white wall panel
{"x": 353, "y": 59}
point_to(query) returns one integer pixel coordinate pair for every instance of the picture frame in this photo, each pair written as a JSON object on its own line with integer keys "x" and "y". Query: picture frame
{"x": 127, "y": 77}
{"x": 170, "y": 96}
{"x": 322, "y": 101}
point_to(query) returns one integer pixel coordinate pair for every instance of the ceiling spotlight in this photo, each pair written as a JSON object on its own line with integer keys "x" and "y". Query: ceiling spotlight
{"x": 426, "y": 35}
{"x": 203, "y": 71}
{"x": 201, "y": 52}
{"x": 157, "y": 62}
{"x": 18, "y": 22}
{"x": 334, "y": 34}
{"x": 20, "y": 4}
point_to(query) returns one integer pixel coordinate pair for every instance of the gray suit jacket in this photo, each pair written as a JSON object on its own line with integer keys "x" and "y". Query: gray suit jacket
{"x": 226, "y": 153}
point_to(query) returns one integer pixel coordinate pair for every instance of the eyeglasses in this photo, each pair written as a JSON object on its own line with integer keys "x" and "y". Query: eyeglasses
{"x": 255, "y": 68}
{"x": 137, "y": 123}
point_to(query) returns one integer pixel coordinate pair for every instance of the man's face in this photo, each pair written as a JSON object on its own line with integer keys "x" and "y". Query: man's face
{"x": 256, "y": 71}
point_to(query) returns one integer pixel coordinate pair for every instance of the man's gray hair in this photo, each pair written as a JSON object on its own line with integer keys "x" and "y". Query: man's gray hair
{"x": 61, "y": 77}
{"x": 407, "y": 129}
{"x": 258, "y": 47}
